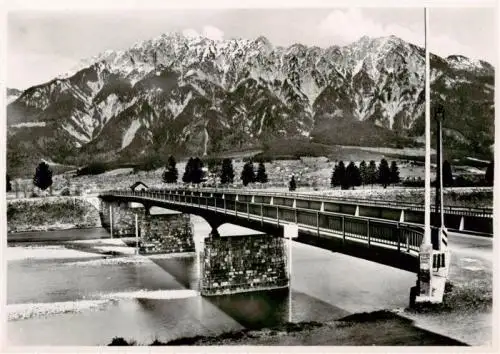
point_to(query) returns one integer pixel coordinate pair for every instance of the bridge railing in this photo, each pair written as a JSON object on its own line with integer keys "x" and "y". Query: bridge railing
{"x": 368, "y": 230}
{"x": 456, "y": 210}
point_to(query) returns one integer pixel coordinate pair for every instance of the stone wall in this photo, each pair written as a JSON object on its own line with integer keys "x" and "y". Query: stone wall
{"x": 124, "y": 219}
{"x": 235, "y": 264}
{"x": 166, "y": 233}
{"x": 104, "y": 214}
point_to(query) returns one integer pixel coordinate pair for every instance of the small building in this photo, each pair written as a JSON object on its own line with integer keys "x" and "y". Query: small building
{"x": 139, "y": 186}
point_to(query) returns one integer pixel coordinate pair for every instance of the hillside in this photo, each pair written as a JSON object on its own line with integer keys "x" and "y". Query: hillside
{"x": 193, "y": 95}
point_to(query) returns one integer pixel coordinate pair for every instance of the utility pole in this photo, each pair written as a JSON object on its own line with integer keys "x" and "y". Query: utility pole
{"x": 434, "y": 264}
{"x": 427, "y": 193}
{"x": 439, "y": 117}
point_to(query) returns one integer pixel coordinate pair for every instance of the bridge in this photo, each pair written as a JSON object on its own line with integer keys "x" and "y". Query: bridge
{"x": 386, "y": 241}
{"x": 471, "y": 220}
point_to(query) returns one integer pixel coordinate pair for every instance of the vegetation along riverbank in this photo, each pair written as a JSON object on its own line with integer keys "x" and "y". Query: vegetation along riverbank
{"x": 44, "y": 214}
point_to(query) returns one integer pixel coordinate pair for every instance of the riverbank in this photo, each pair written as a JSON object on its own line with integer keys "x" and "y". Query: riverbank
{"x": 420, "y": 326}
{"x": 460, "y": 317}
{"x": 59, "y": 213}
{"x": 379, "y": 328}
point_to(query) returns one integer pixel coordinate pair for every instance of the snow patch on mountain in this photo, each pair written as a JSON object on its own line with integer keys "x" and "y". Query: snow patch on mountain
{"x": 461, "y": 62}
{"x": 177, "y": 107}
{"x": 111, "y": 107}
{"x": 130, "y": 133}
{"x": 81, "y": 138}
{"x": 13, "y": 94}
{"x": 310, "y": 89}
{"x": 28, "y": 125}
{"x": 205, "y": 150}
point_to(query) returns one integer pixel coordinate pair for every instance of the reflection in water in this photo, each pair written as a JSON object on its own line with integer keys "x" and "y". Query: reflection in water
{"x": 256, "y": 309}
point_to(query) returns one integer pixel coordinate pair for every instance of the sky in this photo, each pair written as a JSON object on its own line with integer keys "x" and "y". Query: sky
{"x": 44, "y": 44}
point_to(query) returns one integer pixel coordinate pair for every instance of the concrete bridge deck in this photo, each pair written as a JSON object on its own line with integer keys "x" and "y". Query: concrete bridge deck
{"x": 449, "y": 209}
{"x": 459, "y": 219}
{"x": 384, "y": 241}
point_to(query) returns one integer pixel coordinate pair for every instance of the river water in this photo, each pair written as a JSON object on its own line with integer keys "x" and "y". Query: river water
{"x": 61, "y": 294}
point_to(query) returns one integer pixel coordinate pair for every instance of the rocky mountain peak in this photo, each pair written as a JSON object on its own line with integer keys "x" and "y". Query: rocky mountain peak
{"x": 197, "y": 96}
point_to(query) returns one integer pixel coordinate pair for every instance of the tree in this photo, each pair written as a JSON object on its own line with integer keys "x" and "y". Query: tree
{"x": 197, "y": 174}
{"x": 332, "y": 178}
{"x": 170, "y": 174}
{"x": 394, "y": 173}
{"x": 248, "y": 174}
{"x": 384, "y": 173}
{"x": 214, "y": 165}
{"x": 43, "y": 176}
{"x": 261, "y": 173}
{"x": 371, "y": 173}
{"x": 363, "y": 172}
{"x": 292, "y": 185}
{"x": 187, "y": 177}
{"x": 9, "y": 185}
{"x": 447, "y": 174}
{"x": 227, "y": 171}
{"x": 489, "y": 177}
{"x": 352, "y": 176}
{"x": 338, "y": 175}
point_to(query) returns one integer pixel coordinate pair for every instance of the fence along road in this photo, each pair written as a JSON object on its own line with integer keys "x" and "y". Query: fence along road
{"x": 458, "y": 210}
{"x": 475, "y": 221}
{"x": 368, "y": 232}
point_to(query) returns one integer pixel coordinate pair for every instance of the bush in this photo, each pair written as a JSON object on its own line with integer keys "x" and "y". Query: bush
{"x": 151, "y": 162}
{"x": 65, "y": 192}
{"x": 94, "y": 168}
{"x": 118, "y": 341}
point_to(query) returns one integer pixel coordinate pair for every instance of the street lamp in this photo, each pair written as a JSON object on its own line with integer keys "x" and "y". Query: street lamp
{"x": 427, "y": 191}
{"x": 439, "y": 117}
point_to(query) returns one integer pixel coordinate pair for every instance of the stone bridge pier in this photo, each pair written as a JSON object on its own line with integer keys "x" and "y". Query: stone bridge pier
{"x": 169, "y": 232}
{"x": 243, "y": 263}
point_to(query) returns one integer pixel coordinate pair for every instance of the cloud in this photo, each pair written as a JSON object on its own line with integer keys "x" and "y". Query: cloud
{"x": 24, "y": 68}
{"x": 190, "y": 32}
{"x": 213, "y": 33}
{"x": 208, "y": 31}
{"x": 347, "y": 26}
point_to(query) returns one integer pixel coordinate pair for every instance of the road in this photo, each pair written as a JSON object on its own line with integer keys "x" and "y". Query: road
{"x": 471, "y": 258}
{"x": 471, "y": 273}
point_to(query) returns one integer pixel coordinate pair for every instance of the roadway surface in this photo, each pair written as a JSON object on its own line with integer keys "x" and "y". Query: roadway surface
{"x": 471, "y": 273}
{"x": 471, "y": 258}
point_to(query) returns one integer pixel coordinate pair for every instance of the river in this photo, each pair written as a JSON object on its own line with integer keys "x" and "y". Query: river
{"x": 62, "y": 293}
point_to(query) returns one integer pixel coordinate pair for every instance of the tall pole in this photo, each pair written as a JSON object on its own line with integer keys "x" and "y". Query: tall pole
{"x": 439, "y": 180}
{"x": 290, "y": 277}
{"x": 136, "y": 234}
{"x": 427, "y": 199}
{"x": 437, "y": 208}
{"x": 111, "y": 220}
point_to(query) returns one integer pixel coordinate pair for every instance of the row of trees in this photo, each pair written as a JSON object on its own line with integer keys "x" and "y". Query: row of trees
{"x": 352, "y": 175}
{"x": 248, "y": 174}
{"x": 223, "y": 169}
{"x": 345, "y": 177}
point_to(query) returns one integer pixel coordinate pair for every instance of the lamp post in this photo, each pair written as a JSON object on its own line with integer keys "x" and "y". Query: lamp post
{"x": 434, "y": 264}
{"x": 424, "y": 277}
{"x": 427, "y": 192}
{"x": 439, "y": 117}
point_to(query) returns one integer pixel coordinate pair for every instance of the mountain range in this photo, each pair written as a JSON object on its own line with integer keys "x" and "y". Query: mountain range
{"x": 197, "y": 96}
